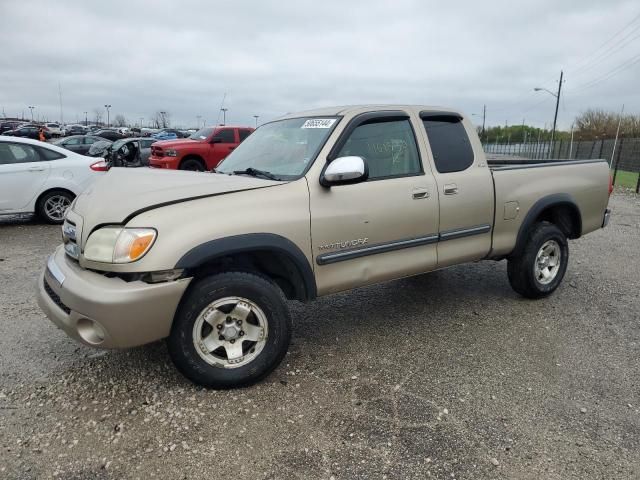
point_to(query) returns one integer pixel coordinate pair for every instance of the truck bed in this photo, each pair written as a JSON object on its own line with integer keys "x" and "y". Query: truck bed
{"x": 520, "y": 183}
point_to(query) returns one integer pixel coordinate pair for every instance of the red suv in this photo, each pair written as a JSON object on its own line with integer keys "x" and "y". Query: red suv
{"x": 203, "y": 150}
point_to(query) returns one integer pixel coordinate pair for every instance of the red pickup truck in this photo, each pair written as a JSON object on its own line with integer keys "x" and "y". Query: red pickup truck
{"x": 203, "y": 150}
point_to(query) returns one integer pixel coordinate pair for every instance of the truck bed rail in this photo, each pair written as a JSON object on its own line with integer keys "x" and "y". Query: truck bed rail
{"x": 513, "y": 163}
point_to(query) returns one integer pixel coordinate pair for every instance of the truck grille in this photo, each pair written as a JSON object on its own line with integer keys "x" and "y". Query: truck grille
{"x": 69, "y": 238}
{"x": 56, "y": 299}
{"x": 156, "y": 151}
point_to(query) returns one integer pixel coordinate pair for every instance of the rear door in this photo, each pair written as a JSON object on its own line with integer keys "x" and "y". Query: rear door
{"x": 465, "y": 189}
{"x": 23, "y": 171}
{"x": 243, "y": 133}
{"x": 75, "y": 144}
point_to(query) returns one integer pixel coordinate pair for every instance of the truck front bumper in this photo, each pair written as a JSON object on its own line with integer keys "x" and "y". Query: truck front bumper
{"x": 106, "y": 312}
{"x": 607, "y": 216}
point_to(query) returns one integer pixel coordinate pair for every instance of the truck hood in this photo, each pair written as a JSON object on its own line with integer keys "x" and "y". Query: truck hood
{"x": 178, "y": 142}
{"x": 122, "y": 193}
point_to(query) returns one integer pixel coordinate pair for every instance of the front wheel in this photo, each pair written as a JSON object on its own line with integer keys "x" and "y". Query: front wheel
{"x": 541, "y": 266}
{"x": 192, "y": 164}
{"x": 231, "y": 330}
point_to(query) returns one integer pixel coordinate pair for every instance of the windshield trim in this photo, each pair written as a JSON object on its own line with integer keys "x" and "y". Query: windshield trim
{"x": 314, "y": 157}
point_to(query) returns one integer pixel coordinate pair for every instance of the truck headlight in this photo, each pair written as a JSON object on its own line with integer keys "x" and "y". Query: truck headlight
{"x": 118, "y": 244}
{"x": 170, "y": 153}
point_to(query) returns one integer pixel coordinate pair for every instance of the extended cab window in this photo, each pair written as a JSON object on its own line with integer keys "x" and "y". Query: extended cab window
{"x": 244, "y": 134}
{"x": 449, "y": 143}
{"x": 389, "y": 148}
{"x": 226, "y": 136}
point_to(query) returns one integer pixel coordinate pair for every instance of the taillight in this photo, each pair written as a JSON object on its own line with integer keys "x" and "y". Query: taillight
{"x": 610, "y": 184}
{"x": 100, "y": 166}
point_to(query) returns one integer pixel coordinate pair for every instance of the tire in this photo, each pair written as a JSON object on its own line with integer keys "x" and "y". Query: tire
{"x": 192, "y": 164}
{"x": 529, "y": 275}
{"x": 193, "y": 342}
{"x": 52, "y": 206}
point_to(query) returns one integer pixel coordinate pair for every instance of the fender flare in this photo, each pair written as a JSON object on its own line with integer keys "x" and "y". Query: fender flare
{"x": 554, "y": 200}
{"x": 254, "y": 242}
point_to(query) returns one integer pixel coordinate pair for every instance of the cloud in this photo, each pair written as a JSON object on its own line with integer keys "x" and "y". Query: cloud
{"x": 276, "y": 57}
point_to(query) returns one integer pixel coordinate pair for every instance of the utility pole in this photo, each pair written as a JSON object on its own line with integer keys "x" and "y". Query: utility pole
{"x": 571, "y": 143}
{"x": 31, "y": 108}
{"x": 108, "y": 120}
{"x": 555, "y": 117}
{"x": 164, "y": 122}
{"x": 86, "y": 120}
{"x": 615, "y": 142}
{"x": 60, "y": 98}
{"x": 256, "y": 117}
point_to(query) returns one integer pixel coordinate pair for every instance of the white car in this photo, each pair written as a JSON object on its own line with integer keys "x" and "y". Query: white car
{"x": 42, "y": 178}
{"x": 54, "y": 128}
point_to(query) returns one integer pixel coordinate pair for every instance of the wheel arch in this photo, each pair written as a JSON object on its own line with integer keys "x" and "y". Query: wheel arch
{"x": 268, "y": 254}
{"x": 49, "y": 190}
{"x": 559, "y": 209}
{"x": 192, "y": 156}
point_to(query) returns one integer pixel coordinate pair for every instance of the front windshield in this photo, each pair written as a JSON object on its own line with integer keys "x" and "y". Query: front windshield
{"x": 202, "y": 134}
{"x": 284, "y": 148}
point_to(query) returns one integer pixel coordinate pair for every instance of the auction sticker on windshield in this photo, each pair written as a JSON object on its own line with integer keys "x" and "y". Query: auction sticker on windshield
{"x": 319, "y": 123}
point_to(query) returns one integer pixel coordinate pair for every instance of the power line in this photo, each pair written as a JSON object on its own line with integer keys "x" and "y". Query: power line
{"x": 611, "y": 73}
{"x": 582, "y": 62}
{"x": 608, "y": 52}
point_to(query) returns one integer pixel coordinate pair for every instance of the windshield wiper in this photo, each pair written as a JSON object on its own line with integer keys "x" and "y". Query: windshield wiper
{"x": 254, "y": 172}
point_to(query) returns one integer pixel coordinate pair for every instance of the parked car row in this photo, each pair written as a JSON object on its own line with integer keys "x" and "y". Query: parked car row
{"x": 45, "y": 177}
{"x": 28, "y": 131}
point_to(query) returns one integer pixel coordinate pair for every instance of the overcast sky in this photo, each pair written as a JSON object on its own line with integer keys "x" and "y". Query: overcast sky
{"x": 273, "y": 57}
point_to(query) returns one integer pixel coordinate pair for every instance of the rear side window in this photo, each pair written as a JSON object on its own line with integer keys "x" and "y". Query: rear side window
{"x": 17, "y": 153}
{"x": 226, "y": 136}
{"x": 449, "y": 143}
{"x": 388, "y": 147}
{"x": 244, "y": 134}
{"x": 47, "y": 154}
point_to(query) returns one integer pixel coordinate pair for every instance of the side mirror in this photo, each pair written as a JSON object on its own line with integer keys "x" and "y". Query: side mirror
{"x": 344, "y": 171}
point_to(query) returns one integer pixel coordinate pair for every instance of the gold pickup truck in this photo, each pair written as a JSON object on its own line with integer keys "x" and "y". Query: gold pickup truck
{"x": 310, "y": 204}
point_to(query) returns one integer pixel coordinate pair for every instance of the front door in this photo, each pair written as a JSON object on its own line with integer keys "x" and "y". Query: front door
{"x": 22, "y": 174}
{"x": 380, "y": 229}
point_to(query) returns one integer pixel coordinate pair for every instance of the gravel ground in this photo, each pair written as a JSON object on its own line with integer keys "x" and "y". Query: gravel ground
{"x": 446, "y": 375}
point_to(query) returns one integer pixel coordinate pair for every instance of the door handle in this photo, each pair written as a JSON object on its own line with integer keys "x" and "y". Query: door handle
{"x": 450, "y": 189}
{"x": 419, "y": 193}
{"x": 36, "y": 169}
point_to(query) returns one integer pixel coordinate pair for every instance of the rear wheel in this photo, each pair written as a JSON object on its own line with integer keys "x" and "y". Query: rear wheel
{"x": 192, "y": 164}
{"x": 231, "y": 330}
{"x": 541, "y": 266}
{"x": 53, "y": 205}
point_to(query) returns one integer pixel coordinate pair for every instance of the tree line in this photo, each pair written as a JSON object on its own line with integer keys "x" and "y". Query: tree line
{"x": 592, "y": 124}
